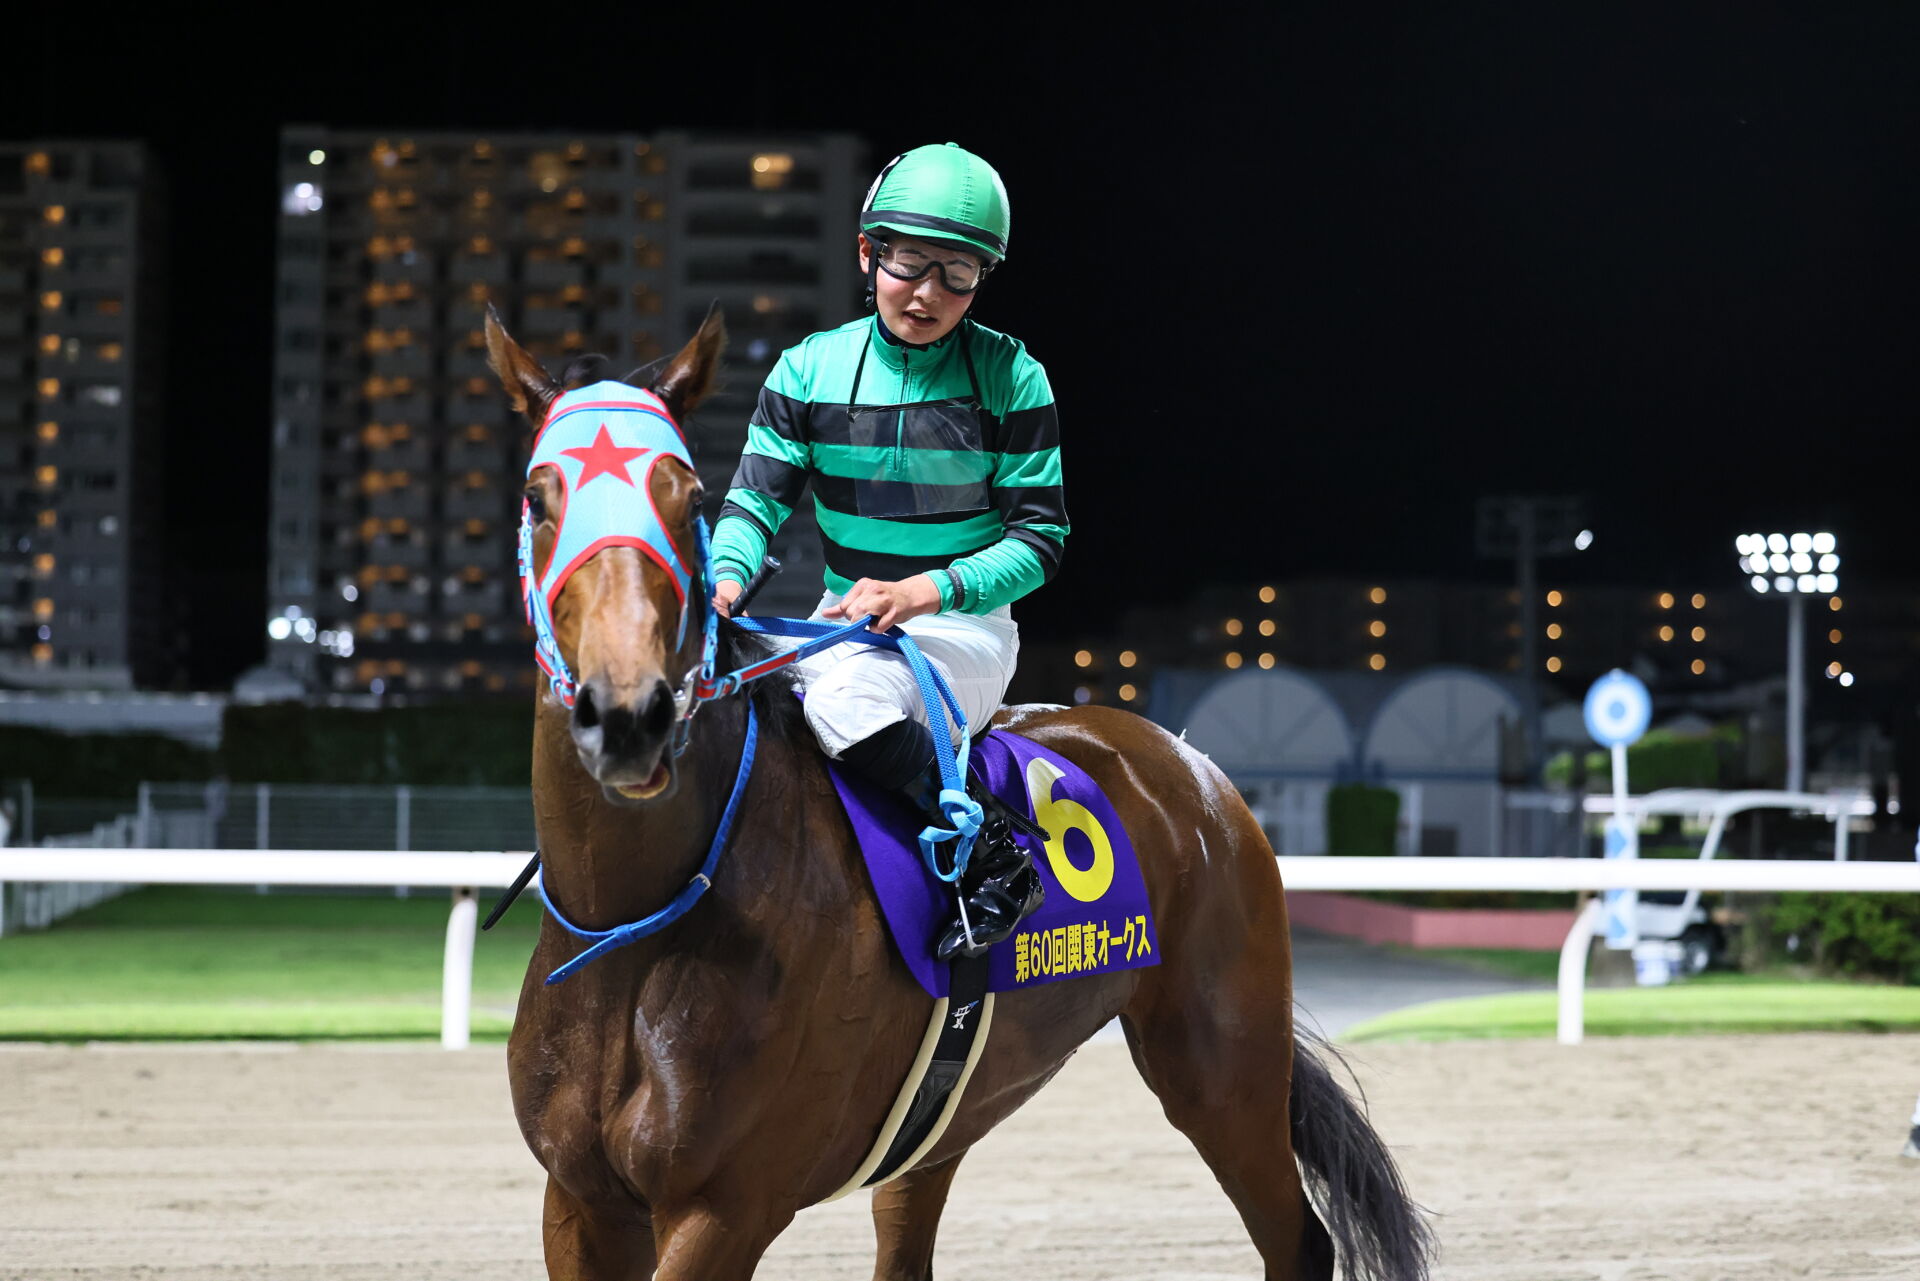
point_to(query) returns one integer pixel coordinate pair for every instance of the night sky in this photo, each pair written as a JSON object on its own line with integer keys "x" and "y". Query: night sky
{"x": 1306, "y": 286}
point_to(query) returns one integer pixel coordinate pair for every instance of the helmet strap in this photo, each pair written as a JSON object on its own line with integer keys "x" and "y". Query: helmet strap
{"x": 873, "y": 273}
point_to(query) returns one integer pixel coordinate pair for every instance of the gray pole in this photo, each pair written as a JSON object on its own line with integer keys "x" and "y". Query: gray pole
{"x": 1797, "y": 692}
{"x": 1526, "y": 525}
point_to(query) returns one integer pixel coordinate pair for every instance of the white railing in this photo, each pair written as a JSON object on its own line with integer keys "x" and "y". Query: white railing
{"x": 1575, "y": 874}
{"x": 463, "y": 873}
{"x": 466, "y": 873}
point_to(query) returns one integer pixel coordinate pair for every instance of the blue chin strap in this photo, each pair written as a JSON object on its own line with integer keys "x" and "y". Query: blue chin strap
{"x": 603, "y": 441}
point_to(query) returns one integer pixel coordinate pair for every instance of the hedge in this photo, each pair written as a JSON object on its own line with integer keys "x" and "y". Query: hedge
{"x": 1362, "y": 819}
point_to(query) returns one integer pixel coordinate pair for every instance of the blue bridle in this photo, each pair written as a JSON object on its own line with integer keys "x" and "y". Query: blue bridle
{"x": 596, "y": 439}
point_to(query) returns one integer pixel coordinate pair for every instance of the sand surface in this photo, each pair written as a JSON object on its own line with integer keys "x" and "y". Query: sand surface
{"x": 1748, "y": 1158}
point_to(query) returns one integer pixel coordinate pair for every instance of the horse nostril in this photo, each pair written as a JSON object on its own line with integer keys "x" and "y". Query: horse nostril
{"x": 585, "y": 715}
{"x": 658, "y": 716}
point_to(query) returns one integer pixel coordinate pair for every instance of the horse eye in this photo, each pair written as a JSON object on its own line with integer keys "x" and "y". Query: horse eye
{"x": 536, "y": 507}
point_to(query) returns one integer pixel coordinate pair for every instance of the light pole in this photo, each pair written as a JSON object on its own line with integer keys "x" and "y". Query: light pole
{"x": 1795, "y": 566}
{"x": 1525, "y": 528}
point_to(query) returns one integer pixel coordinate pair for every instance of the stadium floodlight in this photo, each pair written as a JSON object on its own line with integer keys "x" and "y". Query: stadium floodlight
{"x": 1795, "y": 566}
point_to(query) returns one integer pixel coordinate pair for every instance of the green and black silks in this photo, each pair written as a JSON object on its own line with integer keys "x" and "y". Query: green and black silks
{"x": 945, "y": 456}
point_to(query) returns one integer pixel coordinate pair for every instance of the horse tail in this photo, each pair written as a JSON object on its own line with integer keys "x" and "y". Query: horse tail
{"x": 1374, "y": 1223}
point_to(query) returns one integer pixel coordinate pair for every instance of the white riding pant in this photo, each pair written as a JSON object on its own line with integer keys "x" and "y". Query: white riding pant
{"x": 854, "y": 690}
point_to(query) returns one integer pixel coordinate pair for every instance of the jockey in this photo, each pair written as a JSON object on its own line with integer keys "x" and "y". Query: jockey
{"x": 934, "y": 453}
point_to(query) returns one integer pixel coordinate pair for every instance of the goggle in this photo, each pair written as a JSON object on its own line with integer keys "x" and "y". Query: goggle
{"x": 959, "y": 274}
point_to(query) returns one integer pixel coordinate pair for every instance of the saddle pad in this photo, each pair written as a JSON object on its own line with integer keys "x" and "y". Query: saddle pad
{"x": 1095, "y": 918}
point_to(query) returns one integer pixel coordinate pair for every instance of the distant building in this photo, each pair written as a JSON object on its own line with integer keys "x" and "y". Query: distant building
{"x": 80, "y": 435}
{"x": 396, "y": 472}
{"x": 1680, "y": 636}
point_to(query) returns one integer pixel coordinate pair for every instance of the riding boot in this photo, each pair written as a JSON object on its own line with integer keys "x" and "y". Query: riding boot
{"x": 997, "y": 891}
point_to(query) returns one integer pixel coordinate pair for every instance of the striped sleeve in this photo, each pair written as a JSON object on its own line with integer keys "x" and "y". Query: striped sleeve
{"x": 771, "y": 477}
{"x": 1030, "y": 496}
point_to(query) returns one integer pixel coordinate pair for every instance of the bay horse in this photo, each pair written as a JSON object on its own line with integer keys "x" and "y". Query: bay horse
{"x": 690, "y": 1093}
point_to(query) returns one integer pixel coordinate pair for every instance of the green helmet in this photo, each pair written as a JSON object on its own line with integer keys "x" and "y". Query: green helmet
{"x": 941, "y": 193}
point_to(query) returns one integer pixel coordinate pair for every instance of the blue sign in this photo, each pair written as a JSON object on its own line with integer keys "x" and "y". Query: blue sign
{"x": 1617, "y": 709}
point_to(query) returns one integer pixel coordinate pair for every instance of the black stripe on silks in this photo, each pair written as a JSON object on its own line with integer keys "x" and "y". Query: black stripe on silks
{"x": 855, "y": 564}
{"x": 1027, "y": 431}
{"x": 774, "y": 477}
{"x": 1031, "y": 505}
{"x": 1049, "y": 551}
{"x": 735, "y": 509}
{"x": 932, "y": 222}
{"x": 942, "y": 503}
{"x": 785, "y": 415}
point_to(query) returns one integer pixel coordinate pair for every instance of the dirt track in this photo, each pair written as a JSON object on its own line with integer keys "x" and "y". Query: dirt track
{"x": 1749, "y": 1158}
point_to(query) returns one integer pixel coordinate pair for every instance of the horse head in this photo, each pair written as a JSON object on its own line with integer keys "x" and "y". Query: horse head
{"x": 612, "y": 560}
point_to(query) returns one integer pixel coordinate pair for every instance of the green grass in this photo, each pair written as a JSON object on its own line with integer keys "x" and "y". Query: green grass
{"x": 1513, "y": 963}
{"x": 184, "y": 962}
{"x": 1708, "y": 1004}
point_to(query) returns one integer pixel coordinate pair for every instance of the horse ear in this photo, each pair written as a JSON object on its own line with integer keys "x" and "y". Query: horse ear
{"x": 526, "y": 383}
{"x": 690, "y": 376}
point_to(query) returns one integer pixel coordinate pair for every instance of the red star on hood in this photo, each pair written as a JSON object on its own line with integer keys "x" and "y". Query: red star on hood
{"x": 604, "y": 458}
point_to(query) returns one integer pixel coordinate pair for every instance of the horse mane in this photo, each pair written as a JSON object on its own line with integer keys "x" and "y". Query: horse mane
{"x": 773, "y": 694}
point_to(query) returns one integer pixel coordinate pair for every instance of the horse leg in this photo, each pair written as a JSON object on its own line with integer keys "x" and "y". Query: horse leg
{"x": 906, "y": 1215}
{"x": 1218, "y": 1055}
{"x": 584, "y": 1244}
{"x": 708, "y": 1241}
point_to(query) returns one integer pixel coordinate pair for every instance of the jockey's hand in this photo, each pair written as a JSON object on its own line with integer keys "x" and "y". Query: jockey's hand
{"x": 724, "y": 595}
{"x": 890, "y": 603}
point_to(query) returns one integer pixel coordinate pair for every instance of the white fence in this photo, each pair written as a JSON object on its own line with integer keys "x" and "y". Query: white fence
{"x": 36, "y": 905}
{"x": 466, "y": 873}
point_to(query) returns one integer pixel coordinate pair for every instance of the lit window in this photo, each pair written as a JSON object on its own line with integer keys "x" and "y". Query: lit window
{"x": 51, "y": 300}
{"x": 1266, "y": 627}
{"x": 50, "y": 344}
{"x": 763, "y": 303}
{"x": 1377, "y": 662}
{"x": 1699, "y": 667}
{"x": 573, "y": 246}
{"x": 55, "y": 213}
{"x": 53, "y": 256}
{"x": 1833, "y": 603}
{"x": 1083, "y": 658}
{"x": 1833, "y": 637}
{"x": 1666, "y": 633}
{"x": 49, "y": 388}
{"x": 1666, "y": 600}
{"x": 1833, "y": 669}
{"x": 1266, "y": 660}
{"x": 1128, "y": 693}
{"x": 1128, "y": 658}
{"x": 1699, "y": 600}
{"x": 48, "y": 519}
{"x": 1267, "y": 595}
{"x": 1234, "y": 661}
{"x": 1699, "y": 633}
{"x": 46, "y": 475}
{"x": 1378, "y": 595}
{"x": 39, "y": 164}
{"x": 770, "y": 170}
{"x": 1234, "y": 627}
{"x": 316, "y": 157}
{"x": 1082, "y": 694}
{"x": 483, "y": 150}
{"x": 43, "y": 653}
{"x": 43, "y": 609}
{"x": 1376, "y": 628}
{"x": 1553, "y": 663}
{"x": 110, "y": 351}
{"x": 50, "y": 432}
{"x": 480, "y": 245}
{"x": 1553, "y": 631}
{"x": 1554, "y": 598}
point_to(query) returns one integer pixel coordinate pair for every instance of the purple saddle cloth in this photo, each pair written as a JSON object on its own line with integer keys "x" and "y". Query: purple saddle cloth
{"x": 1095, "y": 919}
